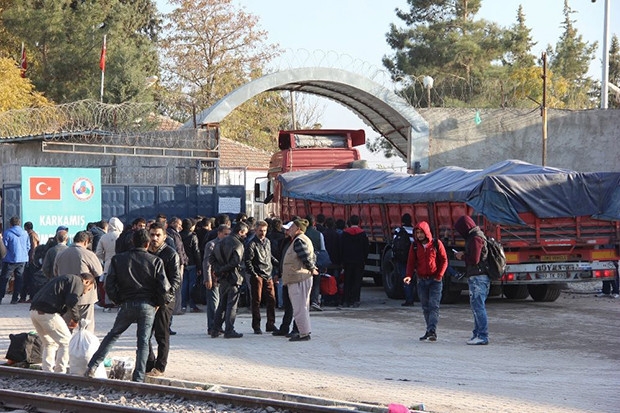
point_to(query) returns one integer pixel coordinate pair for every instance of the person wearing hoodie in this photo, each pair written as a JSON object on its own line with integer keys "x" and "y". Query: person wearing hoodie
{"x": 479, "y": 284}
{"x": 428, "y": 260}
{"x": 17, "y": 243}
{"x": 106, "y": 249}
{"x": 353, "y": 252}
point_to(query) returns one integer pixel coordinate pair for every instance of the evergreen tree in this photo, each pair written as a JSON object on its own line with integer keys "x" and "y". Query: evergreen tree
{"x": 614, "y": 72}
{"x": 519, "y": 44}
{"x": 571, "y": 60}
{"x": 64, "y": 40}
{"x": 442, "y": 39}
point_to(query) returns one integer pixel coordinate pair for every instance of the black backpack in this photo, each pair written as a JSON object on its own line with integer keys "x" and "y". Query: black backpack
{"x": 401, "y": 245}
{"x": 496, "y": 259}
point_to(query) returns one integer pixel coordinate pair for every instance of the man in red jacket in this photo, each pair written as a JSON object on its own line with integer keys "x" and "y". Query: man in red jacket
{"x": 428, "y": 260}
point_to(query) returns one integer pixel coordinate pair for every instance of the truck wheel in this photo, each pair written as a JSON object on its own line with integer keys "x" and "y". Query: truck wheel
{"x": 544, "y": 292}
{"x": 392, "y": 281}
{"x": 516, "y": 292}
{"x": 450, "y": 293}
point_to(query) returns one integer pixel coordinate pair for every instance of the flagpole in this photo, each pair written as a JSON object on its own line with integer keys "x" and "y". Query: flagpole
{"x": 102, "y": 65}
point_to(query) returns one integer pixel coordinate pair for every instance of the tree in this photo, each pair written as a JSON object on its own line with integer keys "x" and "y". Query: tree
{"x": 518, "y": 44}
{"x": 16, "y": 92}
{"x": 614, "y": 72}
{"x": 571, "y": 60}
{"x": 444, "y": 41}
{"x": 64, "y": 40}
{"x": 210, "y": 48}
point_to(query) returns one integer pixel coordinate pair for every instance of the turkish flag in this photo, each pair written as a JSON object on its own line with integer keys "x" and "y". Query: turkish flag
{"x": 23, "y": 64}
{"x": 102, "y": 58}
{"x": 44, "y": 188}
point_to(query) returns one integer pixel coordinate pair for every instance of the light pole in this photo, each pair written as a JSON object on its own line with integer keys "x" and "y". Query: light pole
{"x": 605, "y": 76}
{"x": 427, "y": 81}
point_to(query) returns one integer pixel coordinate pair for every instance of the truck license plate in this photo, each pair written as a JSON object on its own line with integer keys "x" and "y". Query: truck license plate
{"x": 553, "y": 258}
{"x": 552, "y": 275}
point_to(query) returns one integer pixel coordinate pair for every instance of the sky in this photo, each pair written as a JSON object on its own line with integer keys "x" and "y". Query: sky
{"x": 355, "y": 30}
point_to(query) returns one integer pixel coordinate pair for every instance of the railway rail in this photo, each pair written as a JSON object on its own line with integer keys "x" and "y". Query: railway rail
{"x": 34, "y": 390}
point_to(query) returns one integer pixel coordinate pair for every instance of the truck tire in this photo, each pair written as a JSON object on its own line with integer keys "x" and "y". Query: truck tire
{"x": 515, "y": 292}
{"x": 450, "y": 293}
{"x": 392, "y": 281}
{"x": 544, "y": 292}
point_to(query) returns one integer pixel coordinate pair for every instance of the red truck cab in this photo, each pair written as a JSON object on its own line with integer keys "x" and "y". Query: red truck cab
{"x": 310, "y": 149}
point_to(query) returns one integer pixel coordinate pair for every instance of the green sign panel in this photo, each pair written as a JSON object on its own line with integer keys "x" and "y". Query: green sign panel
{"x": 52, "y": 197}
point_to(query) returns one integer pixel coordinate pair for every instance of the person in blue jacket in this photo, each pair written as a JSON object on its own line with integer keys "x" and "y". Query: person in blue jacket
{"x": 17, "y": 243}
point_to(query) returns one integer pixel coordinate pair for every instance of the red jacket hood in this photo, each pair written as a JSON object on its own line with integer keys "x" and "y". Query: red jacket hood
{"x": 423, "y": 225}
{"x": 353, "y": 230}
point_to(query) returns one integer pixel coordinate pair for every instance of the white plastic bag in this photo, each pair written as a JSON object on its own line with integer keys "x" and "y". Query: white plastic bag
{"x": 82, "y": 346}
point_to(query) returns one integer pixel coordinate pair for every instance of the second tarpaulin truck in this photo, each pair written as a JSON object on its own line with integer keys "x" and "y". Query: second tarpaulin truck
{"x": 556, "y": 226}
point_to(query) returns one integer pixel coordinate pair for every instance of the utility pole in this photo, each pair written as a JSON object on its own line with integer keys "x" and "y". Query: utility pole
{"x": 543, "y": 110}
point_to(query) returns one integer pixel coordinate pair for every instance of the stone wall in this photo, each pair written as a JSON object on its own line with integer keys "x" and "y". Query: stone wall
{"x": 578, "y": 140}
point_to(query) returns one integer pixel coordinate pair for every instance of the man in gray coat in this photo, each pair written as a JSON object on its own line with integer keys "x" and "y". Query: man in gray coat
{"x": 78, "y": 259}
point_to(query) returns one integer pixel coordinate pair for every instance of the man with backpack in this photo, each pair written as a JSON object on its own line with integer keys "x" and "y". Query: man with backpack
{"x": 401, "y": 244}
{"x": 428, "y": 260}
{"x": 476, "y": 271}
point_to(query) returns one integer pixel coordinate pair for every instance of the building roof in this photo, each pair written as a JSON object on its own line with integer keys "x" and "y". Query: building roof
{"x": 234, "y": 154}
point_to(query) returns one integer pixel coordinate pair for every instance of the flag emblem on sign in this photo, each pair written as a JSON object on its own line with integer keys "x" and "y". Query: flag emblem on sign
{"x": 44, "y": 188}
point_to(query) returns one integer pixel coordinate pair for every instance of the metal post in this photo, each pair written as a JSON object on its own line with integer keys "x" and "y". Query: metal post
{"x": 605, "y": 77}
{"x": 544, "y": 110}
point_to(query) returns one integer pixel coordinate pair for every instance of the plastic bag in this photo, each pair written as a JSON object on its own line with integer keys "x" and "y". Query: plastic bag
{"x": 82, "y": 346}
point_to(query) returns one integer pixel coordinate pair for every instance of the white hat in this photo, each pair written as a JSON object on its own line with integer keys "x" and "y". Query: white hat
{"x": 287, "y": 225}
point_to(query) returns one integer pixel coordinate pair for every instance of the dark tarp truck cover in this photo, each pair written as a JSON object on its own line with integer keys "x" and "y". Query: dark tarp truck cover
{"x": 499, "y": 192}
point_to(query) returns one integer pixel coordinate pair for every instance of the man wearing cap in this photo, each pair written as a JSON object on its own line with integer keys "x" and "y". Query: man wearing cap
{"x": 298, "y": 267}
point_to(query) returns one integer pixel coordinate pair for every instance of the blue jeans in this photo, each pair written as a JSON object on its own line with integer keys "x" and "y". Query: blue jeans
{"x": 17, "y": 269}
{"x": 479, "y": 286}
{"x": 189, "y": 279}
{"x": 213, "y": 300}
{"x": 139, "y": 312}
{"x": 429, "y": 293}
{"x": 407, "y": 288}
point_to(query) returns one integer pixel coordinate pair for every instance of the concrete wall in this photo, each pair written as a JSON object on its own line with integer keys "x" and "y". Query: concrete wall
{"x": 578, "y": 140}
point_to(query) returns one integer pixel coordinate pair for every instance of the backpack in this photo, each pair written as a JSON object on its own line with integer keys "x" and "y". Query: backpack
{"x": 25, "y": 348}
{"x": 496, "y": 259}
{"x": 401, "y": 244}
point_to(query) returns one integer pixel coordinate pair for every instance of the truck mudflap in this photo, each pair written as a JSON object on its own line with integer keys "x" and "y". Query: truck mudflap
{"x": 558, "y": 272}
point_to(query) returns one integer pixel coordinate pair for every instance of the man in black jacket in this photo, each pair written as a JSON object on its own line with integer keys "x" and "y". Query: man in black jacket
{"x": 137, "y": 282}
{"x": 161, "y": 326}
{"x": 353, "y": 251}
{"x": 194, "y": 264}
{"x": 226, "y": 263}
{"x": 259, "y": 263}
{"x": 58, "y": 296}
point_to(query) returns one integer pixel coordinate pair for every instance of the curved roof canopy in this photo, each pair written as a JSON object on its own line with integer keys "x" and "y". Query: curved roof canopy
{"x": 381, "y": 109}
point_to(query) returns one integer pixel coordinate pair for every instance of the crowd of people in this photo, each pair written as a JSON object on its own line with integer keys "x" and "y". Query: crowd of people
{"x": 150, "y": 269}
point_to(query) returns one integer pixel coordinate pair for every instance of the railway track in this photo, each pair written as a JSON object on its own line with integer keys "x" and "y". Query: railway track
{"x": 37, "y": 391}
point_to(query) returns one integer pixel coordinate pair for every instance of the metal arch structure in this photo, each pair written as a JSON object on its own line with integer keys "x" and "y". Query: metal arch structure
{"x": 381, "y": 109}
